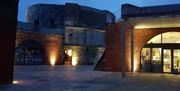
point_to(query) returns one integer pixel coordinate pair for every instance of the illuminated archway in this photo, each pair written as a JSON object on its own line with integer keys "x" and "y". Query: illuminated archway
{"x": 162, "y": 53}
{"x": 168, "y": 37}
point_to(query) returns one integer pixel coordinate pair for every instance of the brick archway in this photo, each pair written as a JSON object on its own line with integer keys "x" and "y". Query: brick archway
{"x": 52, "y": 44}
{"x": 142, "y": 36}
{"x": 30, "y": 52}
{"x": 113, "y": 45}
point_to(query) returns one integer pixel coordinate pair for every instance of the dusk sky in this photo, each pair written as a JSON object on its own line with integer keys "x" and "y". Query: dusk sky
{"x": 111, "y": 5}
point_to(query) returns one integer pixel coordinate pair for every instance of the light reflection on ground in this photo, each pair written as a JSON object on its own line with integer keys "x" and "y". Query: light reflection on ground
{"x": 82, "y": 78}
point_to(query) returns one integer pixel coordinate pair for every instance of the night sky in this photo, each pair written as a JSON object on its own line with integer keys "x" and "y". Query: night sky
{"x": 111, "y": 5}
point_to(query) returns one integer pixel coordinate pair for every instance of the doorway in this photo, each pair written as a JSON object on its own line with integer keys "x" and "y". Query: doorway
{"x": 166, "y": 60}
{"x": 162, "y": 53}
{"x": 171, "y": 60}
{"x": 68, "y": 56}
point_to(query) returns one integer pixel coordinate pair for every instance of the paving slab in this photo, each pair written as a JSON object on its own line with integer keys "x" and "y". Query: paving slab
{"x": 83, "y": 78}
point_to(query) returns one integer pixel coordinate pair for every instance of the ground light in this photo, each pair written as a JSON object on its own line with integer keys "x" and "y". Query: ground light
{"x": 53, "y": 60}
{"x": 135, "y": 65}
{"x": 15, "y": 82}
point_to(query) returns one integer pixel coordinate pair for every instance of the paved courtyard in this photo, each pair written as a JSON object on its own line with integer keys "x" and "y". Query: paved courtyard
{"x": 82, "y": 78}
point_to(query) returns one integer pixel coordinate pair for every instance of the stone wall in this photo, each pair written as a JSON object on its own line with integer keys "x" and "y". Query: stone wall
{"x": 84, "y": 36}
{"x": 51, "y": 16}
{"x": 83, "y": 54}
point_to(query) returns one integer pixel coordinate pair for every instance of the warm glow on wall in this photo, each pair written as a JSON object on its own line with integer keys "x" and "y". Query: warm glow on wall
{"x": 74, "y": 61}
{"x": 141, "y": 26}
{"x": 52, "y": 59}
{"x": 135, "y": 64}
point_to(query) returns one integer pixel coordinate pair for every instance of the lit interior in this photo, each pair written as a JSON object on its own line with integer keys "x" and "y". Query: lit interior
{"x": 162, "y": 59}
{"x": 168, "y": 37}
{"x": 72, "y": 54}
{"x": 69, "y": 52}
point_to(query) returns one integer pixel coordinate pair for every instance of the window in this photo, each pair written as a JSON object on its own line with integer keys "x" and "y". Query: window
{"x": 169, "y": 37}
{"x": 51, "y": 22}
{"x": 36, "y": 22}
{"x": 70, "y": 35}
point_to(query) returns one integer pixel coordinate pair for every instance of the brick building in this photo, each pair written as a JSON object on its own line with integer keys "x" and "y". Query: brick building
{"x": 148, "y": 37}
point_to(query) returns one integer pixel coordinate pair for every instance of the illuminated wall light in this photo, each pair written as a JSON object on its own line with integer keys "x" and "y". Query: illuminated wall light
{"x": 74, "y": 61}
{"x": 141, "y": 26}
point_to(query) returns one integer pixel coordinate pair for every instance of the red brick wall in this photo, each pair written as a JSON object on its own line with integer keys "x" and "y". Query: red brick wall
{"x": 113, "y": 45}
{"x": 113, "y": 48}
{"x": 52, "y": 44}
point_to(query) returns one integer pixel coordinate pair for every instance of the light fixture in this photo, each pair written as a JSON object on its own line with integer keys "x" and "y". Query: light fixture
{"x": 53, "y": 60}
{"x": 15, "y": 82}
{"x": 69, "y": 52}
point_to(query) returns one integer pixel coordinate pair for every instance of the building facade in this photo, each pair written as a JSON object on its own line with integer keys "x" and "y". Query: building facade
{"x": 77, "y": 33}
{"x": 38, "y": 47}
{"x": 149, "y": 37}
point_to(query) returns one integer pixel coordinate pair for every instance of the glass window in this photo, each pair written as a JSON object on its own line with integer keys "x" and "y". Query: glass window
{"x": 156, "y": 39}
{"x": 145, "y": 60}
{"x": 177, "y": 60}
{"x": 169, "y": 37}
{"x": 156, "y": 60}
{"x": 167, "y": 60}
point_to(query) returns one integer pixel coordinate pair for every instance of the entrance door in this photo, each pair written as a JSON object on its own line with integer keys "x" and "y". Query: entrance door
{"x": 167, "y": 60}
{"x": 68, "y": 56}
{"x": 171, "y": 60}
{"x": 176, "y": 61}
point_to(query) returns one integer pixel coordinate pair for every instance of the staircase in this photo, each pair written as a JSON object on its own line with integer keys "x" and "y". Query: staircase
{"x": 99, "y": 60}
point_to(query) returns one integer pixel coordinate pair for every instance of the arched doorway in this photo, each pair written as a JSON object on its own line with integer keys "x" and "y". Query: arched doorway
{"x": 30, "y": 52}
{"x": 162, "y": 54}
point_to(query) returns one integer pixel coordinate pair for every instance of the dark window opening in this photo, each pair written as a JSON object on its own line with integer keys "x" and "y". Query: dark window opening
{"x": 36, "y": 22}
{"x": 70, "y": 35}
{"x": 51, "y": 22}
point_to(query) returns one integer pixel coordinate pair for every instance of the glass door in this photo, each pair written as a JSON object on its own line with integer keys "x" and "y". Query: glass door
{"x": 176, "y": 61}
{"x": 167, "y": 59}
{"x": 156, "y": 60}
